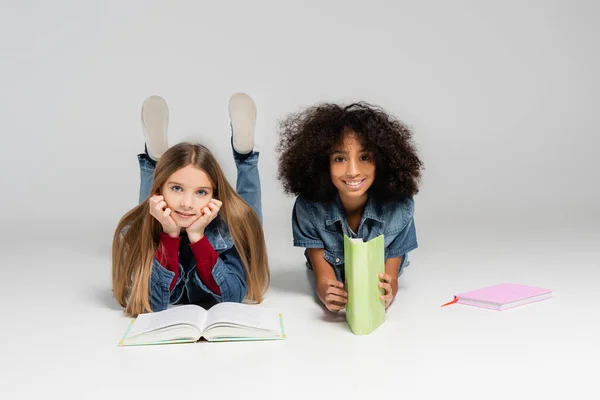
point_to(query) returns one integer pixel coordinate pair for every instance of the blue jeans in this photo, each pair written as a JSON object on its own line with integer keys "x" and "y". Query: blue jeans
{"x": 229, "y": 271}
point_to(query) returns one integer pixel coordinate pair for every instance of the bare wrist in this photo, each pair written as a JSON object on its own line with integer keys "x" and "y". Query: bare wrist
{"x": 172, "y": 234}
{"x": 195, "y": 237}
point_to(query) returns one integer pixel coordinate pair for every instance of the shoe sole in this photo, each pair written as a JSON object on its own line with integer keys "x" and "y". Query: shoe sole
{"x": 155, "y": 121}
{"x": 242, "y": 113}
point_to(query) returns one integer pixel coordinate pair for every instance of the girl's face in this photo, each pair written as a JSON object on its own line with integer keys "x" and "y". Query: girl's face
{"x": 187, "y": 192}
{"x": 352, "y": 169}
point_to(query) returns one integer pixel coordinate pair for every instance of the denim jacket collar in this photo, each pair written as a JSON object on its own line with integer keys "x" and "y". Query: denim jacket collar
{"x": 335, "y": 212}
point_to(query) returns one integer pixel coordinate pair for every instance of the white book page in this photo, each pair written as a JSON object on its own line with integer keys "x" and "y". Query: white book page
{"x": 186, "y": 314}
{"x": 245, "y": 315}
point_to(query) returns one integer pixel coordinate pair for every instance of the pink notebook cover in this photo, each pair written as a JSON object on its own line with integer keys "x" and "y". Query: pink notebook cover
{"x": 503, "y": 293}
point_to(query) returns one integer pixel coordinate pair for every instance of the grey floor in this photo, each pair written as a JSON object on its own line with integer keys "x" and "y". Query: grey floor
{"x": 61, "y": 328}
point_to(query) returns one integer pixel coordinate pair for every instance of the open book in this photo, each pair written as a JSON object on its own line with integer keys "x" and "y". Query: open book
{"x": 189, "y": 323}
{"x": 363, "y": 262}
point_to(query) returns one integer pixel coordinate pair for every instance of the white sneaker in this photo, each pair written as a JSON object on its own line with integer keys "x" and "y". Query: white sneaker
{"x": 242, "y": 113}
{"x": 155, "y": 120}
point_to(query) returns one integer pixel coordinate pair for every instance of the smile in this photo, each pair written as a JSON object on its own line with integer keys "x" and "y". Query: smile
{"x": 354, "y": 184}
{"x": 184, "y": 215}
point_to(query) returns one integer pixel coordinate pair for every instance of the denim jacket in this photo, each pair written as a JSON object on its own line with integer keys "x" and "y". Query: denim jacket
{"x": 228, "y": 272}
{"x": 323, "y": 225}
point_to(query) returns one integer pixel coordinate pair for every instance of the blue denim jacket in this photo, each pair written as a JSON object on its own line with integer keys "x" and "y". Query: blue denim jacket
{"x": 323, "y": 225}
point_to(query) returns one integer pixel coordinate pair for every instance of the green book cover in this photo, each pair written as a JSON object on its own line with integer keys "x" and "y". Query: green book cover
{"x": 364, "y": 261}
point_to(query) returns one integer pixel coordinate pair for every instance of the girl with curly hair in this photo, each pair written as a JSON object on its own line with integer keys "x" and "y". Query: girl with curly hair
{"x": 355, "y": 172}
{"x": 192, "y": 238}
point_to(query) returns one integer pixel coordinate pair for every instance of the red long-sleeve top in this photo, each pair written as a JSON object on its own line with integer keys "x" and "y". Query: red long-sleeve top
{"x": 204, "y": 255}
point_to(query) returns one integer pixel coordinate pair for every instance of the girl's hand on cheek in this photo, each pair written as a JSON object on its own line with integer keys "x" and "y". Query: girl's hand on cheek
{"x": 196, "y": 230}
{"x": 159, "y": 210}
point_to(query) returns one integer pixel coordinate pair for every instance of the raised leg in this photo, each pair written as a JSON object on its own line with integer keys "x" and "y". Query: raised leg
{"x": 242, "y": 113}
{"x": 155, "y": 121}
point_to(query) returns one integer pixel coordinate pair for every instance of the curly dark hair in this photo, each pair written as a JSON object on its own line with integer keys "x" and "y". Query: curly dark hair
{"x": 307, "y": 139}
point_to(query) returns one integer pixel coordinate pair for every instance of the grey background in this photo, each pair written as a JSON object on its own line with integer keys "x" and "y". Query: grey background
{"x": 502, "y": 97}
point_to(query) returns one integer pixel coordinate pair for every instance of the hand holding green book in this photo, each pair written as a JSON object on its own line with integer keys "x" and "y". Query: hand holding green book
{"x": 364, "y": 261}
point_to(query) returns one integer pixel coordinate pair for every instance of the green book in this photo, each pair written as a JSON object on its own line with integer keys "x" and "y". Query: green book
{"x": 364, "y": 261}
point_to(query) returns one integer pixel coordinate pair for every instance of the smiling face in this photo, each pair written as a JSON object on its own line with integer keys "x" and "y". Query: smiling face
{"x": 187, "y": 192}
{"x": 352, "y": 169}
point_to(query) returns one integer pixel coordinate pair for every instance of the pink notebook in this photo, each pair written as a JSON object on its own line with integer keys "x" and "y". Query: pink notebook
{"x": 502, "y": 296}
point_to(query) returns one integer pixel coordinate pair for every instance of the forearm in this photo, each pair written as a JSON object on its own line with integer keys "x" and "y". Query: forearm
{"x": 392, "y": 268}
{"x": 206, "y": 258}
{"x": 394, "y": 284}
{"x": 161, "y": 288}
{"x": 231, "y": 278}
{"x": 322, "y": 269}
{"x": 221, "y": 275}
{"x": 167, "y": 255}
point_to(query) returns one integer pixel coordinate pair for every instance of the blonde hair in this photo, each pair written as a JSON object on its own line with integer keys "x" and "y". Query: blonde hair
{"x": 137, "y": 234}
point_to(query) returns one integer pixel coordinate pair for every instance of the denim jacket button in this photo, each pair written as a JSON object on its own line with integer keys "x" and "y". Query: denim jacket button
{"x": 337, "y": 260}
